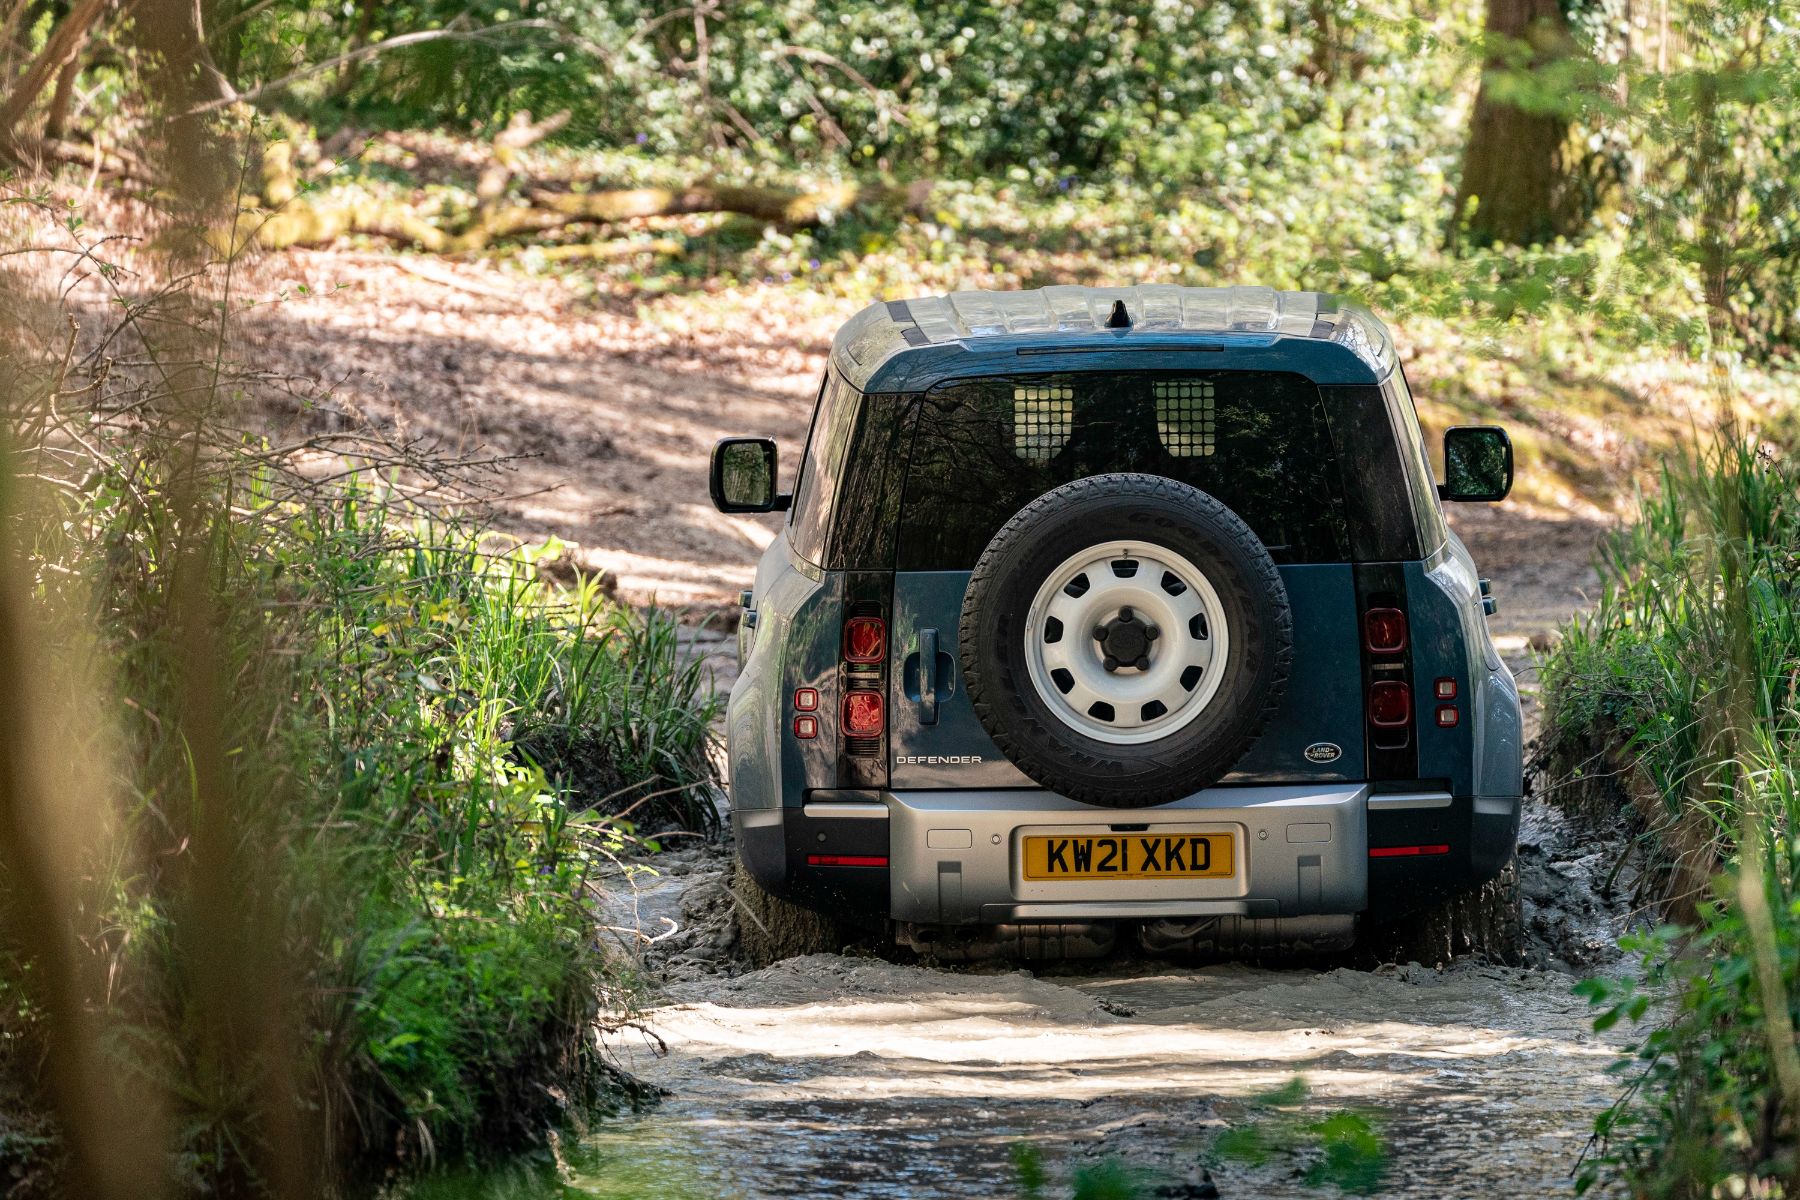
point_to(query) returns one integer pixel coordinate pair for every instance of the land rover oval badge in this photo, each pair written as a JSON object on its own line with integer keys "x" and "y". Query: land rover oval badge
{"x": 1323, "y": 752}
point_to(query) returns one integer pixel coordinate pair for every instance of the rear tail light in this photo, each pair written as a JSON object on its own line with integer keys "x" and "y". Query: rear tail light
{"x": 1390, "y": 704}
{"x": 1447, "y": 716}
{"x": 806, "y": 727}
{"x": 1445, "y": 689}
{"x": 863, "y": 715}
{"x": 865, "y": 640}
{"x": 1384, "y": 630}
{"x": 806, "y": 700}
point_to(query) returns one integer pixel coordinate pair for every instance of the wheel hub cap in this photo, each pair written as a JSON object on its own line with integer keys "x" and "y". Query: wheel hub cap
{"x": 1126, "y": 642}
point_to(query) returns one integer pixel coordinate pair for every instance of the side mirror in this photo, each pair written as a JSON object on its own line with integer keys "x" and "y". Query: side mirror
{"x": 743, "y": 476}
{"x": 1478, "y": 463}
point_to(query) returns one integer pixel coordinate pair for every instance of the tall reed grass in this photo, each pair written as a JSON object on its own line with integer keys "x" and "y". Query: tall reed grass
{"x": 1687, "y": 679}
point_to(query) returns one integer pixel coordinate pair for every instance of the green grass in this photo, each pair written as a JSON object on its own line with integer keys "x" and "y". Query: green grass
{"x": 1687, "y": 677}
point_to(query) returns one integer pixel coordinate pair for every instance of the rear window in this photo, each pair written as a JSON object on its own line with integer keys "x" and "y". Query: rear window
{"x": 1257, "y": 441}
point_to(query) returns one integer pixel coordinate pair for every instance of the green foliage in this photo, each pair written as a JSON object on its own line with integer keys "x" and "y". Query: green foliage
{"x": 1108, "y": 1179}
{"x": 323, "y": 912}
{"x": 1054, "y": 86}
{"x": 1345, "y": 1149}
{"x": 1691, "y": 666}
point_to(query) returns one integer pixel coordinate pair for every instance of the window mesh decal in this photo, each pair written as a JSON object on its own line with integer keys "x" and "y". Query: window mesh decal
{"x": 1184, "y": 417}
{"x": 1043, "y": 418}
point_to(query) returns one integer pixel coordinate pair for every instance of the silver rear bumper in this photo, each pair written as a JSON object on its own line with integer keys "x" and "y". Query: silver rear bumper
{"x": 955, "y": 855}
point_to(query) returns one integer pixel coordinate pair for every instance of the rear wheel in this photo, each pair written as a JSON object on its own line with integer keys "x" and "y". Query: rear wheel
{"x": 771, "y": 929}
{"x": 1487, "y": 922}
{"x": 1125, "y": 638}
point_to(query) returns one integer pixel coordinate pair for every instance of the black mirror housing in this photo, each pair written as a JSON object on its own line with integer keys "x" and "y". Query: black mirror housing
{"x": 1478, "y": 463}
{"x": 742, "y": 479}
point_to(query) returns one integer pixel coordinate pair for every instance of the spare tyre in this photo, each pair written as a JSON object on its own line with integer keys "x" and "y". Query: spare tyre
{"x": 1124, "y": 639}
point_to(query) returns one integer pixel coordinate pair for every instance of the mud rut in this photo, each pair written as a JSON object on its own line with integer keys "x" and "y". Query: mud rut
{"x": 857, "y": 1077}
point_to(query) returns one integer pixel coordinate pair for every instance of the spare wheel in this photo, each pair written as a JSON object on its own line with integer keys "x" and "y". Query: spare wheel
{"x": 1124, "y": 639}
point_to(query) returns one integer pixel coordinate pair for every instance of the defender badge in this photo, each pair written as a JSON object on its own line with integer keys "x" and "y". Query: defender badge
{"x": 1323, "y": 752}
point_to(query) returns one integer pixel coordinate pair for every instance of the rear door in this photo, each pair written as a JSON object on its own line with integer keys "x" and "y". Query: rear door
{"x": 984, "y": 449}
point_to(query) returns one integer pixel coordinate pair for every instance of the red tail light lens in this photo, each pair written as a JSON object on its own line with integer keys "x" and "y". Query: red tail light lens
{"x": 1384, "y": 630}
{"x": 1390, "y": 704}
{"x": 863, "y": 715}
{"x": 865, "y": 640}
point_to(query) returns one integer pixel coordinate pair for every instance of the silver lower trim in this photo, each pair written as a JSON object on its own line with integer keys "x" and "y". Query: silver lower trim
{"x": 1322, "y": 870}
{"x": 1125, "y": 909}
{"x": 1385, "y": 803}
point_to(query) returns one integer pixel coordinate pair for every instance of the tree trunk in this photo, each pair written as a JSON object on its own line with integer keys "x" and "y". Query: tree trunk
{"x": 56, "y": 124}
{"x": 182, "y": 79}
{"x": 1514, "y": 175}
{"x": 64, "y": 45}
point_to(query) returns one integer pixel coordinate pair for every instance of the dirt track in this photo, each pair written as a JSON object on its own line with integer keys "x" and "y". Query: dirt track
{"x": 862, "y": 1078}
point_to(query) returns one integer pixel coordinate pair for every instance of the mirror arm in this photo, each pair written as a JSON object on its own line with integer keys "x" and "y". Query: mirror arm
{"x": 783, "y": 502}
{"x": 1443, "y": 491}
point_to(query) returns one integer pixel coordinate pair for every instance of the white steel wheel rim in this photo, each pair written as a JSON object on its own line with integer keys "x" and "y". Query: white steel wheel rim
{"x": 1186, "y": 660}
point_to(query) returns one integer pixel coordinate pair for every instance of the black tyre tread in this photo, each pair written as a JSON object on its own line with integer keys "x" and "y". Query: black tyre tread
{"x": 1150, "y": 487}
{"x": 771, "y": 929}
{"x": 1485, "y": 921}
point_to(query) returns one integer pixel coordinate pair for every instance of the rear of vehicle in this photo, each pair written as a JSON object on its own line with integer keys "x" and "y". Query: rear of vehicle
{"x": 1150, "y": 615}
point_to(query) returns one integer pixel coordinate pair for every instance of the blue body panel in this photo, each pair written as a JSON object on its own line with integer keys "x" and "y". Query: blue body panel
{"x": 1322, "y": 704}
{"x": 925, "y": 367}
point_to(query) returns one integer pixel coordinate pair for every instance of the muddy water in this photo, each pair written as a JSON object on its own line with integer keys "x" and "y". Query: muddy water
{"x": 860, "y": 1078}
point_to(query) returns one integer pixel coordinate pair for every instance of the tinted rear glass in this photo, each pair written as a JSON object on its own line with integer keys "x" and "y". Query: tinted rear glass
{"x": 822, "y": 467}
{"x": 1257, "y": 441}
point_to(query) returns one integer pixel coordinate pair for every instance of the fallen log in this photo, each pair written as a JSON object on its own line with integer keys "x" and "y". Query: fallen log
{"x": 300, "y": 223}
{"x": 303, "y": 223}
{"x": 778, "y": 206}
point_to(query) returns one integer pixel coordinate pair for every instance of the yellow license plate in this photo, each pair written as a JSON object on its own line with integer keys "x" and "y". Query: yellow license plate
{"x": 1129, "y": 856}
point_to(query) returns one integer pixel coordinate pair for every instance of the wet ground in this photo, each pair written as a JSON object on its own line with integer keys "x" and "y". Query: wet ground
{"x": 835, "y": 1076}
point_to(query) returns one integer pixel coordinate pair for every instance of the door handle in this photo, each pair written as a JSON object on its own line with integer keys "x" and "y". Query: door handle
{"x": 928, "y": 652}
